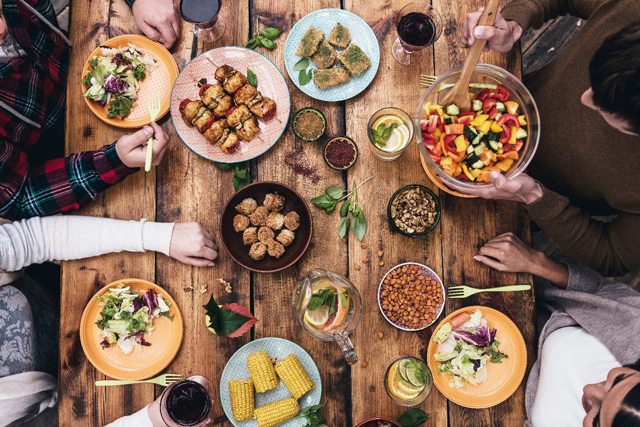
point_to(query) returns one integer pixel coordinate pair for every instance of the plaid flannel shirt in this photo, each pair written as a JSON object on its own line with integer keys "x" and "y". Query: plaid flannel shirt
{"x": 35, "y": 87}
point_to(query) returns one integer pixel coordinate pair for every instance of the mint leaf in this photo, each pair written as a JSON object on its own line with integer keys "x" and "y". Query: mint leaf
{"x": 344, "y": 210}
{"x": 413, "y": 417}
{"x": 252, "y": 78}
{"x": 334, "y": 192}
{"x": 271, "y": 33}
{"x": 324, "y": 201}
{"x": 241, "y": 176}
{"x": 343, "y": 299}
{"x": 343, "y": 227}
{"x": 303, "y": 64}
{"x": 359, "y": 225}
{"x": 267, "y": 43}
{"x": 223, "y": 166}
{"x": 223, "y": 321}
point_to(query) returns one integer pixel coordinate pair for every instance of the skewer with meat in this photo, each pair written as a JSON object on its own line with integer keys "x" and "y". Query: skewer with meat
{"x": 230, "y": 78}
{"x": 191, "y": 111}
{"x": 218, "y": 133}
{"x": 215, "y": 130}
{"x": 216, "y": 99}
{"x": 261, "y": 106}
{"x": 243, "y": 122}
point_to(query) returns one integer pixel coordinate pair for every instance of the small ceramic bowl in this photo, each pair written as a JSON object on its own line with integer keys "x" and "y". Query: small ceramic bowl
{"x": 340, "y": 138}
{"x": 378, "y": 421}
{"x": 296, "y": 116}
{"x": 232, "y": 241}
{"x": 391, "y": 213}
{"x": 430, "y": 274}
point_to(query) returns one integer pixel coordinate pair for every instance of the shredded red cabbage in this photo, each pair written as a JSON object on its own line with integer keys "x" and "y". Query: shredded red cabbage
{"x": 150, "y": 300}
{"x": 119, "y": 60}
{"x": 115, "y": 85}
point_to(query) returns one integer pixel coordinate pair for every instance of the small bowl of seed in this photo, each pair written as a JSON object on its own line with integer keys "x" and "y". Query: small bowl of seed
{"x": 414, "y": 210}
{"x": 411, "y": 296}
{"x": 340, "y": 153}
{"x": 309, "y": 124}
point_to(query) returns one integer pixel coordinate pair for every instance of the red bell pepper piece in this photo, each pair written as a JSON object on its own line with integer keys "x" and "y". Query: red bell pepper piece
{"x": 184, "y": 103}
{"x": 493, "y": 113}
{"x": 483, "y": 94}
{"x": 466, "y": 113}
{"x": 203, "y": 88}
{"x": 505, "y": 136}
{"x": 230, "y": 111}
{"x": 423, "y": 126}
{"x": 501, "y": 94}
{"x": 434, "y": 157}
{"x": 449, "y": 144}
{"x": 208, "y": 124}
{"x": 499, "y": 157}
{"x": 509, "y": 147}
{"x": 519, "y": 144}
{"x": 463, "y": 177}
{"x": 428, "y": 138}
{"x": 268, "y": 116}
{"x": 432, "y": 123}
{"x": 488, "y": 105}
{"x": 465, "y": 120}
{"x": 508, "y": 119}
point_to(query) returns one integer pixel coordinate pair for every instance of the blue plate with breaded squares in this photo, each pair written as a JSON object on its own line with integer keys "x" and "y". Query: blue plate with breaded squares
{"x": 357, "y": 42}
{"x": 276, "y": 348}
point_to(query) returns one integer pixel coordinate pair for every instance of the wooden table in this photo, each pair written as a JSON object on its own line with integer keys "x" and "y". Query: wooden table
{"x": 187, "y": 187}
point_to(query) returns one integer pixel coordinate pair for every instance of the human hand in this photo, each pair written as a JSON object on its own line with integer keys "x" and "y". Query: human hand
{"x": 157, "y": 19}
{"x": 508, "y": 253}
{"x": 522, "y": 188}
{"x": 132, "y": 149}
{"x": 192, "y": 244}
{"x": 500, "y": 37}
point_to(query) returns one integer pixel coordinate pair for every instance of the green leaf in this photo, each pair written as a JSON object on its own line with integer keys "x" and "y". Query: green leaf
{"x": 202, "y": 81}
{"x": 343, "y": 227}
{"x": 267, "y": 43}
{"x": 271, "y": 33}
{"x": 344, "y": 210}
{"x": 121, "y": 106}
{"x": 316, "y": 407}
{"x": 223, "y": 321}
{"x": 359, "y": 226}
{"x": 413, "y": 417}
{"x": 252, "y": 78}
{"x": 253, "y": 43}
{"x": 94, "y": 62}
{"x": 315, "y": 302}
{"x": 323, "y": 201}
{"x": 343, "y": 299}
{"x": 334, "y": 192}
{"x": 303, "y": 64}
{"x": 330, "y": 208}
{"x": 241, "y": 177}
{"x": 304, "y": 77}
{"x": 223, "y": 166}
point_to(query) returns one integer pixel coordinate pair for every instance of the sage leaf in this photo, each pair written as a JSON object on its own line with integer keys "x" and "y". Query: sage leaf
{"x": 303, "y": 64}
{"x": 323, "y": 201}
{"x": 252, "y": 78}
{"x": 267, "y": 43}
{"x": 343, "y": 227}
{"x": 344, "y": 210}
{"x": 334, "y": 192}
{"x": 304, "y": 77}
{"x": 413, "y": 418}
{"x": 359, "y": 226}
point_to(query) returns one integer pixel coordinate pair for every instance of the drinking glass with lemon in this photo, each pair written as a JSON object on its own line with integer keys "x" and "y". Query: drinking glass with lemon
{"x": 390, "y": 131}
{"x": 328, "y": 307}
{"x": 408, "y": 381}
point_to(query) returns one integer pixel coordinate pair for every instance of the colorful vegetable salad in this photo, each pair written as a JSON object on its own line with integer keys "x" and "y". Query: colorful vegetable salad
{"x": 469, "y": 145}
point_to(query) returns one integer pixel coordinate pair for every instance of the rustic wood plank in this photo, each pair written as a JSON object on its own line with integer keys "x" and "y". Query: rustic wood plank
{"x": 548, "y": 44}
{"x": 394, "y": 86}
{"x": 191, "y": 188}
{"x": 80, "y": 401}
{"x": 272, "y": 293}
{"x": 468, "y": 223}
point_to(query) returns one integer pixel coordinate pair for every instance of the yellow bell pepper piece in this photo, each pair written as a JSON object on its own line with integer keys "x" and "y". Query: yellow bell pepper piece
{"x": 466, "y": 171}
{"x": 504, "y": 165}
{"x": 496, "y": 128}
{"x": 512, "y": 140}
{"x": 446, "y": 161}
{"x": 437, "y": 133}
{"x": 479, "y": 120}
{"x": 522, "y": 120}
{"x": 427, "y": 109}
{"x": 461, "y": 144}
{"x": 476, "y": 172}
{"x": 512, "y": 107}
{"x": 484, "y": 128}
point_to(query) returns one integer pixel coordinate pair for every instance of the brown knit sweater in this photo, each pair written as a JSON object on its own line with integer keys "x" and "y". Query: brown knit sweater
{"x": 580, "y": 156}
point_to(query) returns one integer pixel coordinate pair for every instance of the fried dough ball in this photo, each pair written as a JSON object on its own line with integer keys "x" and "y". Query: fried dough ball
{"x": 275, "y": 249}
{"x": 286, "y": 237}
{"x": 274, "y": 202}
{"x": 240, "y": 223}
{"x": 258, "y": 251}
{"x": 292, "y": 221}
{"x": 259, "y": 216}
{"x": 247, "y": 206}
{"x": 265, "y": 234}
{"x": 250, "y": 236}
{"x": 275, "y": 220}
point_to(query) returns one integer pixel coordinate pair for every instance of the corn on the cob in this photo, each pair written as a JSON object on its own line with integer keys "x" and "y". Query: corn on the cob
{"x": 242, "y": 399}
{"x": 274, "y": 413}
{"x": 294, "y": 376}
{"x": 262, "y": 372}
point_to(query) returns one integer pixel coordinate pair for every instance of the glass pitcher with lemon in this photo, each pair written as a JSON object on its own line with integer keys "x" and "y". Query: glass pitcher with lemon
{"x": 328, "y": 306}
{"x": 390, "y": 131}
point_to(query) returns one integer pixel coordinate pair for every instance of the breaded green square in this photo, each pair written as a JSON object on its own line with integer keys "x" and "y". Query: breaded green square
{"x": 340, "y": 36}
{"x": 330, "y": 77}
{"x": 310, "y": 41}
{"x": 325, "y": 56}
{"x": 354, "y": 60}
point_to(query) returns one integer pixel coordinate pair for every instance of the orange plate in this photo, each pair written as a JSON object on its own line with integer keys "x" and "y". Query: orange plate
{"x": 159, "y": 81}
{"x": 438, "y": 182}
{"x": 503, "y": 379}
{"x": 141, "y": 363}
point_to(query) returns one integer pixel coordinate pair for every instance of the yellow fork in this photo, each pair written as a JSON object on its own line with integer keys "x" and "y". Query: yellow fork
{"x": 154, "y": 109}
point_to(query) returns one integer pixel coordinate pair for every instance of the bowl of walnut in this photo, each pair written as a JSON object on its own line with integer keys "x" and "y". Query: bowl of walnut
{"x": 414, "y": 210}
{"x": 266, "y": 227}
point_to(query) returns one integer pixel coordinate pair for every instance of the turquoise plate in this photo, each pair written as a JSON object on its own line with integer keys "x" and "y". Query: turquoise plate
{"x": 236, "y": 369}
{"x": 361, "y": 34}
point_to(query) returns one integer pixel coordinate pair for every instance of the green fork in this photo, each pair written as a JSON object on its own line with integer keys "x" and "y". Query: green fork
{"x": 427, "y": 80}
{"x": 163, "y": 380}
{"x": 154, "y": 109}
{"x": 467, "y": 291}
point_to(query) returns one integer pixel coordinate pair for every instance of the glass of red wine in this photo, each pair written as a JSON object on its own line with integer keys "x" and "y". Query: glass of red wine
{"x": 419, "y": 26}
{"x": 187, "y": 402}
{"x": 205, "y": 14}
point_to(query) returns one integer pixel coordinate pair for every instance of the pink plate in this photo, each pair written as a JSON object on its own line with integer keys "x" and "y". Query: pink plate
{"x": 271, "y": 83}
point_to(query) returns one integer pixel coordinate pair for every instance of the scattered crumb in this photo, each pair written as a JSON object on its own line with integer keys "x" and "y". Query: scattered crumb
{"x": 227, "y": 285}
{"x": 188, "y": 288}
{"x": 551, "y": 49}
{"x": 363, "y": 246}
{"x": 380, "y": 335}
{"x": 381, "y": 263}
{"x": 579, "y": 22}
{"x": 274, "y": 360}
{"x": 380, "y": 253}
{"x": 203, "y": 289}
{"x": 365, "y": 260}
{"x": 357, "y": 267}
{"x": 363, "y": 364}
{"x": 440, "y": 236}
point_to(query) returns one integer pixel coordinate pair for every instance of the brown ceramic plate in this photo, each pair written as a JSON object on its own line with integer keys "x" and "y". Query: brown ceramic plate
{"x": 232, "y": 241}
{"x": 375, "y": 422}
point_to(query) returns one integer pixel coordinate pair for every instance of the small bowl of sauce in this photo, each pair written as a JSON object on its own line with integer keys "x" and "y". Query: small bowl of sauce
{"x": 309, "y": 124}
{"x": 340, "y": 153}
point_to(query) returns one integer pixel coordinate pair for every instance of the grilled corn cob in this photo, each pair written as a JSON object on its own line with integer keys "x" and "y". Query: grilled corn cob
{"x": 262, "y": 372}
{"x": 294, "y": 376}
{"x": 242, "y": 399}
{"x": 275, "y": 413}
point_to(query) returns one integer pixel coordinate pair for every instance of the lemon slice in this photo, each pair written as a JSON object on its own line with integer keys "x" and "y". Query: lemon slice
{"x": 400, "y": 388}
{"x": 409, "y": 390}
{"x": 398, "y": 137}
{"x": 317, "y": 318}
